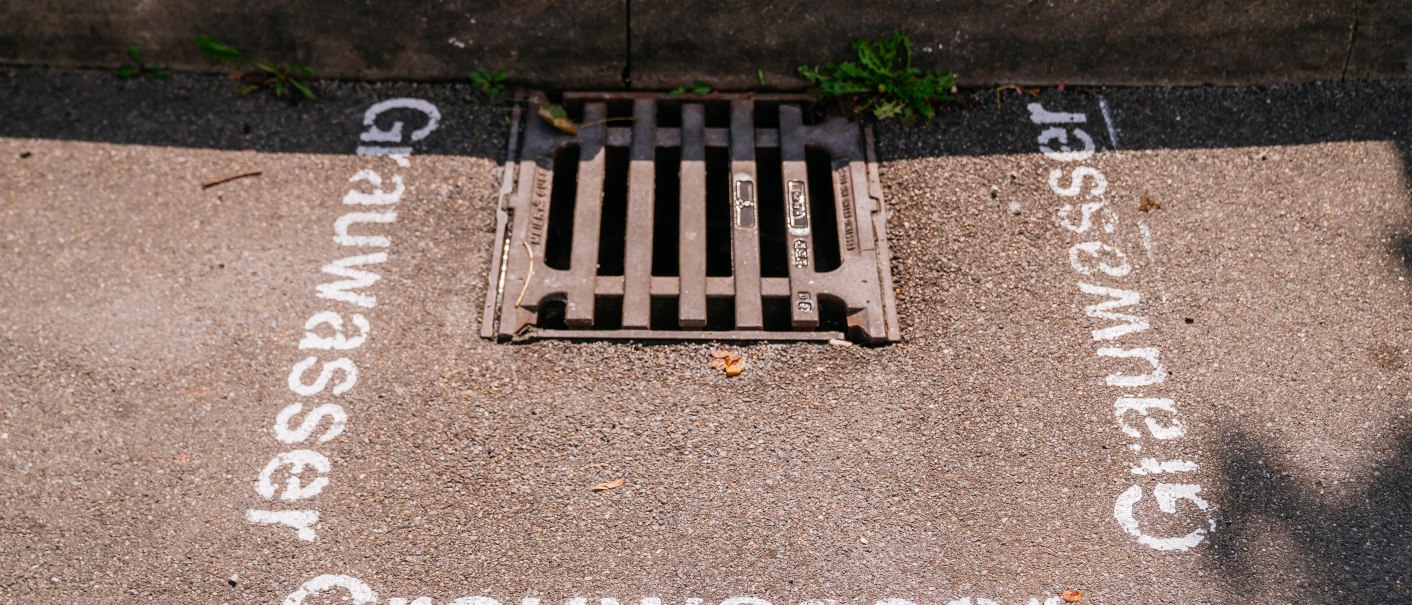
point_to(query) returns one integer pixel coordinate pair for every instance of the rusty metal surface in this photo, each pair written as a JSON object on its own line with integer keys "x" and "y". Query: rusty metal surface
{"x": 750, "y": 228}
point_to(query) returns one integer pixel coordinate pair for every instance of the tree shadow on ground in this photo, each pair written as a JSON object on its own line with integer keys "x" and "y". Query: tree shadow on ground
{"x": 1353, "y": 548}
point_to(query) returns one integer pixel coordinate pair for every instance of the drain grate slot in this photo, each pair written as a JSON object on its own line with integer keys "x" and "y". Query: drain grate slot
{"x": 718, "y": 212}
{"x": 723, "y": 217}
{"x": 559, "y": 233}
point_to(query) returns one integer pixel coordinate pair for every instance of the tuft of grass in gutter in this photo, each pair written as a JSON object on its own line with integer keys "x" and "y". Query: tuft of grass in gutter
{"x": 882, "y": 82}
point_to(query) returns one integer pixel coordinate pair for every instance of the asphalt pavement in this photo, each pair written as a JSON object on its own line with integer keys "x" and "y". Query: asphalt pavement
{"x": 1155, "y": 349}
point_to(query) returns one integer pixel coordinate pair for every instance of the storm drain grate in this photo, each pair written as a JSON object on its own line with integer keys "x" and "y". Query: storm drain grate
{"x": 721, "y": 217}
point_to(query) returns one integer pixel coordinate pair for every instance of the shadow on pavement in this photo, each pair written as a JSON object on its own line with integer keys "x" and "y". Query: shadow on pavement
{"x": 203, "y": 112}
{"x": 1168, "y": 118}
{"x": 1353, "y": 549}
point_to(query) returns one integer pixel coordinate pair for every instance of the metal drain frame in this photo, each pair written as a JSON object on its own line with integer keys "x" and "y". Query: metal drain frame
{"x": 520, "y": 281}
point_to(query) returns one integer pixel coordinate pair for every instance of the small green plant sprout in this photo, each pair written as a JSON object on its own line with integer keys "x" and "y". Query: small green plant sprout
{"x": 760, "y": 75}
{"x": 139, "y": 68}
{"x": 282, "y": 79}
{"x": 882, "y": 82}
{"x": 697, "y": 88}
{"x": 489, "y": 82}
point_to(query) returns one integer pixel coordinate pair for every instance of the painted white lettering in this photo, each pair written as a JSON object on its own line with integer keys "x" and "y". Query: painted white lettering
{"x": 358, "y": 592}
{"x": 1065, "y": 153}
{"x": 1149, "y": 354}
{"x": 1040, "y": 115}
{"x": 475, "y": 601}
{"x": 1109, "y": 259}
{"x": 1100, "y": 184}
{"x": 301, "y": 520}
{"x": 1086, "y": 217}
{"x": 378, "y": 197}
{"x": 1104, "y": 310}
{"x": 1167, "y": 496}
{"x": 355, "y": 278}
{"x": 294, "y": 489}
{"x": 339, "y": 341}
{"x": 1143, "y": 405}
{"x": 394, "y": 134}
{"x": 344, "y": 364}
{"x": 340, "y": 229}
{"x": 338, "y": 419}
{"x": 1151, "y": 466}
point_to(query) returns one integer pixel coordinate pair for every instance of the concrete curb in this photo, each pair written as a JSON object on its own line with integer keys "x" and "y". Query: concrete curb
{"x": 616, "y": 43}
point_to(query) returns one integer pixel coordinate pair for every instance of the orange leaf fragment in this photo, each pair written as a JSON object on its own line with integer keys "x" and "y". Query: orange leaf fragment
{"x": 726, "y": 361}
{"x": 603, "y": 487}
{"x": 1072, "y": 596}
{"x": 735, "y": 366}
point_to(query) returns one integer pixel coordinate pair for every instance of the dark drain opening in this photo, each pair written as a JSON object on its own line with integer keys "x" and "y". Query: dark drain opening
{"x": 559, "y": 239}
{"x": 775, "y": 310}
{"x": 720, "y": 313}
{"x": 664, "y": 312}
{"x": 718, "y": 115}
{"x": 669, "y": 114}
{"x": 612, "y": 231}
{"x": 819, "y": 165}
{"x": 619, "y": 112}
{"x": 774, "y": 247}
{"x": 767, "y": 115}
{"x": 833, "y": 313}
{"x": 607, "y": 312}
{"x": 551, "y": 313}
{"x": 667, "y": 212}
{"x": 718, "y": 212}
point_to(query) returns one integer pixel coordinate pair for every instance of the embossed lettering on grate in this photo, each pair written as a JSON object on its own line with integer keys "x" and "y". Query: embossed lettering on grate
{"x": 720, "y": 217}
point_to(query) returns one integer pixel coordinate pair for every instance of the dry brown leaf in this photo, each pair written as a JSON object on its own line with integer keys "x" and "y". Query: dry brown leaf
{"x": 558, "y": 117}
{"x": 735, "y": 366}
{"x": 1147, "y": 204}
{"x": 1072, "y": 596}
{"x": 726, "y": 361}
{"x": 603, "y": 487}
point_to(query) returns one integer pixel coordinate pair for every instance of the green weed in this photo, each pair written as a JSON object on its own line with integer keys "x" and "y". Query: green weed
{"x": 882, "y": 81}
{"x": 697, "y": 88}
{"x": 282, "y": 79}
{"x": 489, "y": 82}
{"x": 139, "y": 68}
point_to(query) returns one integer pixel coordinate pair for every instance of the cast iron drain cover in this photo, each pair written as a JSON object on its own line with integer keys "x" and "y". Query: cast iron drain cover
{"x": 715, "y": 217}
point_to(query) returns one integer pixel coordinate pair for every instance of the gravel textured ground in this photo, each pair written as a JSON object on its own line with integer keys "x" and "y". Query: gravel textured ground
{"x": 150, "y": 327}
